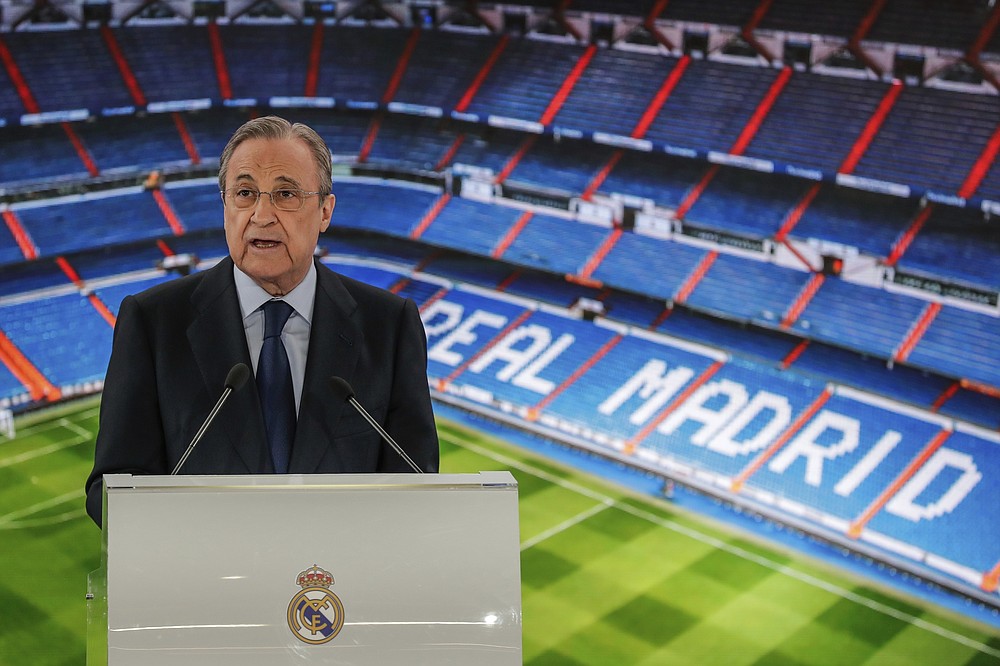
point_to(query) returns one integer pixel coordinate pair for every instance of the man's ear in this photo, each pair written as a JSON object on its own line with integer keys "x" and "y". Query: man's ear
{"x": 327, "y": 212}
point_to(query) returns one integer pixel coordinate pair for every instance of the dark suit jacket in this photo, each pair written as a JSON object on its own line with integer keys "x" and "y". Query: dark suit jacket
{"x": 175, "y": 343}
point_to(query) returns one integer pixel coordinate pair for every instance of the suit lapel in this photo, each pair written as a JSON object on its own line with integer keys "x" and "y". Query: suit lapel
{"x": 334, "y": 344}
{"x": 218, "y": 342}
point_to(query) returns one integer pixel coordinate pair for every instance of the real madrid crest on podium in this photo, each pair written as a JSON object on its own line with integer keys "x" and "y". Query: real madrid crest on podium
{"x": 315, "y": 614}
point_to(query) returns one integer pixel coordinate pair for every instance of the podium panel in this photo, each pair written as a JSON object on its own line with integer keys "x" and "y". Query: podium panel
{"x": 315, "y": 569}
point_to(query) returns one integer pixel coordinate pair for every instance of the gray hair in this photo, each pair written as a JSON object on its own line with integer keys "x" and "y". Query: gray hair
{"x": 273, "y": 127}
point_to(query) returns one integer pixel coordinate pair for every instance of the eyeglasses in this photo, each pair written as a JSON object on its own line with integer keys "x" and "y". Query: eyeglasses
{"x": 288, "y": 199}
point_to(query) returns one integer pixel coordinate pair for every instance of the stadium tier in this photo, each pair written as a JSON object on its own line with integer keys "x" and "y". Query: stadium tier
{"x": 469, "y": 225}
{"x": 867, "y": 221}
{"x": 816, "y": 119}
{"x": 350, "y": 72}
{"x": 773, "y": 284}
{"x": 43, "y": 154}
{"x": 166, "y": 62}
{"x": 410, "y": 141}
{"x": 75, "y": 73}
{"x": 931, "y": 140}
{"x": 248, "y": 75}
{"x": 566, "y": 164}
{"x": 738, "y": 287}
{"x": 441, "y": 67}
{"x": 586, "y": 108}
{"x": 115, "y": 147}
{"x": 745, "y": 289}
{"x": 746, "y": 202}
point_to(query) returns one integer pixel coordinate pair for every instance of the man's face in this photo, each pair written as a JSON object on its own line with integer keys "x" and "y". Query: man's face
{"x": 274, "y": 247}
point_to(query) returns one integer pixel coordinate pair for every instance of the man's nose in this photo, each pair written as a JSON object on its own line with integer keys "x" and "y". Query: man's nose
{"x": 261, "y": 209}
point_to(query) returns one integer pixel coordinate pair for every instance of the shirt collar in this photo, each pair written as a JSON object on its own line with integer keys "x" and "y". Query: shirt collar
{"x": 252, "y": 296}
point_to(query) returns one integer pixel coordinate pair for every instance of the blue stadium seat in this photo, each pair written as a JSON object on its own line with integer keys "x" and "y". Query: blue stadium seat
{"x": 170, "y": 62}
{"x": 651, "y": 265}
{"x": 957, "y": 244}
{"x": 74, "y": 70}
{"x": 931, "y": 139}
{"x": 442, "y": 67}
{"x": 555, "y": 244}
{"x": 11, "y": 105}
{"x": 281, "y": 73}
{"x": 112, "y": 261}
{"x": 92, "y": 221}
{"x": 524, "y": 80}
{"x": 27, "y": 276}
{"x": 753, "y": 342}
{"x": 197, "y": 203}
{"x": 130, "y": 143}
{"x": 38, "y": 155}
{"x": 382, "y": 207}
{"x": 962, "y": 344}
{"x": 471, "y": 226}
{"x": 487, "y": 148}
{"x": 411, "y": 141}
{"x": 747, "y": 202}
{"x": 816, "y": 120}
{"x": 357, "y": 64}
{"x": 567, "y": 165}
{"x": 614, "y": 91}
{"x": 63, "y": 336}
{"x": 12, "y": 391}
{"x": 869, "y": 222}
{"x": 864, "y": 319}
{"x": 747, "y": 290}
{"x": 872, "y": 374}
{"x": 662, "y": 179}
{"x": 711, "y": 105}
{"x": 547, "y": 288}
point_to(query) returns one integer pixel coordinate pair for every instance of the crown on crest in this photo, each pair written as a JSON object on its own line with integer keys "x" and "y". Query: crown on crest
{"x": 314, "y": 577}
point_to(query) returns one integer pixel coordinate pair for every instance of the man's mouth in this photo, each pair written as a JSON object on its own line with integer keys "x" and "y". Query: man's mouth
{"x": 264, "y": 244}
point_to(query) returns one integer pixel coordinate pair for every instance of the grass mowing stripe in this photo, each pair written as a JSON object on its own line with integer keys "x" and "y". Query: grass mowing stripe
{"x": 742, "y": 553}
{"x": 817, "y": 582}
{"x": 566, "y": 524}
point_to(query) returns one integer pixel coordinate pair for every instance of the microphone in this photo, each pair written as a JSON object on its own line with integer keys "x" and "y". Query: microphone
{"x": 237, "y": 377}
{"x": 343, "y": 391}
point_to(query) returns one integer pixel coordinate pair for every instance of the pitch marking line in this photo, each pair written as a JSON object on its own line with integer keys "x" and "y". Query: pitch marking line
{"x": 10, "y": 520}
{"x": 79, "y": 430}
{"x": 43, "y": 426}
{"x": 43, "y": 451}
{"x": 566, "y": 524}
{"x": 82, "y": 436}
{"x": 606, "y": 502}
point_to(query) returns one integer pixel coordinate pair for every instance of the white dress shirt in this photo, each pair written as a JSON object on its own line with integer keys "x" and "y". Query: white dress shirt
{"x": 295, "y": 335}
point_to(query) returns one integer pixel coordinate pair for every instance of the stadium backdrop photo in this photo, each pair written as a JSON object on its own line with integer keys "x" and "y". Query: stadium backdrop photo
{"x": 716, "y": 282}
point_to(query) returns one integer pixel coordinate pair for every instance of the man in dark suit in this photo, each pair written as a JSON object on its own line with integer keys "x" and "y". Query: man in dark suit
{"x": 174, "y": 344}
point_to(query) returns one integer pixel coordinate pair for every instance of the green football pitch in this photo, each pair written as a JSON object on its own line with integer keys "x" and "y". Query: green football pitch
{"x": 608, "y": 576}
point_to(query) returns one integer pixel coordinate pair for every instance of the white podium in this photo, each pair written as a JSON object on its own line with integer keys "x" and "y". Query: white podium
{"x": 308, "y": 569}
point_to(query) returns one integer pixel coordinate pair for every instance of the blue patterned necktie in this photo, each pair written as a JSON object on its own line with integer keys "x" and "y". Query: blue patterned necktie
{"x": 274, "y": 385}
